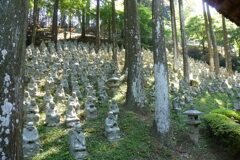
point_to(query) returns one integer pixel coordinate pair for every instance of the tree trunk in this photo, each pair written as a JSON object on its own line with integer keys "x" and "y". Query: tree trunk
{"x": 213, "y": 38}
{"x": 109, "y": 31}
{"x": 35, "y": 15}
{"x": 98, "y": 27}
{"x": 184, "y": 43}
{"x": 125, "y": 34}
{"x": 174, "y": 34}
{"x": 135, "y": 90}
{"x": 70, "y": 26}
{"x": 210, "y": 50}
{"x": 55, "y": 22}
{"x": 228, "y": 60}
{"x": 114, "y": 56}
{"x": 162, "y": 112}
{"x": 13, "y": 24}
{"x": 88, "y": 17}
{"x": 83, "y": 23}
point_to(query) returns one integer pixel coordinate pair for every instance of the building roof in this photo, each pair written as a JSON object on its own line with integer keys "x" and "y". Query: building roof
{"x": 228, "y": 8}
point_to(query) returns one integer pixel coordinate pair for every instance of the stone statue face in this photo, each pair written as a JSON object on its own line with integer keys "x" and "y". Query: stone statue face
{"x": 33, "y": 102}
{"x": 30, "y": 126}
{"x": 78, "y": 128}
{"x": 26, "y": 94}
{"x": 52, "y": 105}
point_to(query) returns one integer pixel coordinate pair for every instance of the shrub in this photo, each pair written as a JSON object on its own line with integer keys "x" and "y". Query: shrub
{"x": 229, "y": 113}
{"x": 225, "y": 129}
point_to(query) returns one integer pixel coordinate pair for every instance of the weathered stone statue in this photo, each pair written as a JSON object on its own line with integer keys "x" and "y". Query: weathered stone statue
{"x": 27, "y": 98}
{"x": 52, "y": 118}
{"x": 33, "y": 88}
{"x": 113, "y": 84}
{"x": 77, "y": 143}
{"x": 71, "y": 116}
{"x": 114, "y": 108}
{"x": 31, "y": 143}
{"x": 90, "y": 108}
{"x": 31, "y": 112}
{"x": 47, "y": 98}
{"x": 112, "y": 131}
{"x": 102, "y": 96}
{"x": 60, "y": 94}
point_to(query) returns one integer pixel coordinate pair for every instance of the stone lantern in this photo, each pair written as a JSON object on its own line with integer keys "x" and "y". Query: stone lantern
{"x": 193, "y": 122}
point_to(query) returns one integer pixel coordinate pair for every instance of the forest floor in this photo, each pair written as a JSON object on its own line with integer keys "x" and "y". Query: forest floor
{"x": 138, "y": 141}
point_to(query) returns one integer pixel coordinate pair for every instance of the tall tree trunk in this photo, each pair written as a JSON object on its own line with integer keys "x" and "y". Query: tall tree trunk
{"x": 55, "y": 22}
{"x": 210, "y": 50}
{"x": 70, "y": 26}
{"x": 83, "y": 23}
{"x": 228, "y": 60}
{"x": 162, "y": 112}
{"x": 109, "y": 30}
{"x": 213, "y": 38}
{"x": 135, "y": 90}
{"x": 174, "y": 33}
{"x": 125, "y": 34}
{"x": 13, "y": 24}
{"x": 35, "y": 15}
{"x": 114, "y": 56}
{"x": 88, "y": 17}
{"x": 98, "y": 27}
{"x": 184, "y": 42}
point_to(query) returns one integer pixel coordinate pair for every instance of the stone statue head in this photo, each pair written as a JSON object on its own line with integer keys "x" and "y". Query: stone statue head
{"x": 52, "y": 105}
{"x": 111, "y": 115}
{"x": 26, "y": 94}
{"x": 30, "y": 126}
{"x": 33, "y": 102}
{"x": 78, "y": 128}
{"x": 74, "y": 94}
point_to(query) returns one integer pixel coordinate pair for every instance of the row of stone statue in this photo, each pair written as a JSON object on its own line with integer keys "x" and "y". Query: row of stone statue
{"x": 77, "y": 142}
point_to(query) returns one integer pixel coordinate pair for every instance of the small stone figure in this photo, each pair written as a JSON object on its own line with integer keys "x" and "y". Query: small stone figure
{"x": 31, "y": 112}
{"x": 77, "y": 143}
{"x": 27, "y": 98}
{"x": 114, "y": 108}
{"x": 52, "y": 118}
{"x": 60, "y": 95}
{"x": 47, "y": 98}
{"x": 33, "y": 88}
{"x": 71, "y": 116}
{"x": 112, "y": 131}
{"x": 90, "y": 109}
{"x": 176, "y": 104}
{"x": 31, "y": 143}
{"x": 113, "y": 84}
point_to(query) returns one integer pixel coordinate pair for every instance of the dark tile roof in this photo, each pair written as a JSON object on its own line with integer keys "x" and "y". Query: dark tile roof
{"x": 228, "y": 8}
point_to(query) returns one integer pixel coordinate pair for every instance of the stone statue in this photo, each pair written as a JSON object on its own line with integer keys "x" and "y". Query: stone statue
{"x": 60, "y": 94}
{"x": 52, "y": 118}
{"x": 71, "y": 116}
{"x": 31, "y": 143}
{"x": 47, "y": 98}
{"x": 31, "y": 112}
{"x": 90, "y": 109}
{"x": 33, "y": 88}
{"x": 114, "y": 108}
{"x": 77, "y": 143}
{"x": 112, "y": 130}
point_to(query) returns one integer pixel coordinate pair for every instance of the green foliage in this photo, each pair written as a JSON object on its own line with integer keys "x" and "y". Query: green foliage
{"x": 225, "y": 129}
{"x": 229, "y": 113}
{"x": 195, "y": 29}
{"x": 145, "y": 25}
